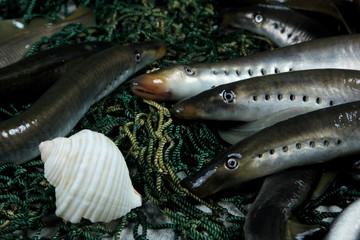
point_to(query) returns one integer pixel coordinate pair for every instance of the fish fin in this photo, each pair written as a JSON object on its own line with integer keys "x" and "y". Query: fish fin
{"x": 297, "y": 230}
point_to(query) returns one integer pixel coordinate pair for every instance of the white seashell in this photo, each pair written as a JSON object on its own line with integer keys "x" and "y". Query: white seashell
{"x": 90, "y": 176}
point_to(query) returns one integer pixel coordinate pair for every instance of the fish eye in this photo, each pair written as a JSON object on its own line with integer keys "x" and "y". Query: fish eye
{"x": 189, "y": 71}
{"x": 232, "y": 162}
{"x": 137, "y": 57}
{"x": 228, "y": 97}
{"x": 258, "y": 18}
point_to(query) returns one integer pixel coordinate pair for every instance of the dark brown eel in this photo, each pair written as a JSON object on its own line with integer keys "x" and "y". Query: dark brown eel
{"x": 25, "y": 80}
{"x": 59, "y": 109}
{"x": 280, "y": 197}
{"x": 14, "y": 47}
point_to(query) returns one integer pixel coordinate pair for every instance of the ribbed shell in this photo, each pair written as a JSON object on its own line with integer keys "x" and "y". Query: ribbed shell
{"x": 90, "y": 176}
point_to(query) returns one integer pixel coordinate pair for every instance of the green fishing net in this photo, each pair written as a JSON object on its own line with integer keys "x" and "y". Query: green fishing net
{"x": 158, "y": 149}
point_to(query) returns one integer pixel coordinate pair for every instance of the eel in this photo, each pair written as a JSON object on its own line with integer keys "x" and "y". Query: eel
{"x": 283, "y": 26}
{"x": 314, "y": 137}
{"x": 280, "y": 197}
{"x": 346, "y": 225}
{"x": 59, "y": 109}
{"x": 260, "y": 97}
{"x": 325, "y": 7}
{"x": 26, "y": 79}
{"x": 172, "y": 83}
{"x": 15, "y": 46}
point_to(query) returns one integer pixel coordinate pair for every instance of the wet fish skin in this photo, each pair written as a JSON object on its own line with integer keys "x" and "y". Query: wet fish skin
{"x": 280, "y": 196}
{"x": 26, "y": 79}
{"x": 233, "y": 133}
{"x": 15, "y": 47}
{"x": 346, "y": 226}
{"x": 260, "y": 97}
{"x": 326, "y": 7}
{"x": 59, "y": 109}
{"x": 315, "y": 137}
{"x": 282, "y": 26}
{"x": 167, "y": 84}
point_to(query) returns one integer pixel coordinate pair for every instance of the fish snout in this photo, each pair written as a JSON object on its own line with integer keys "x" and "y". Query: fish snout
{"x": 151, "y": 87}
{"x": 185, "y": 111}
{"x": 202, "y": 184}
{"x": 191, "y": 185}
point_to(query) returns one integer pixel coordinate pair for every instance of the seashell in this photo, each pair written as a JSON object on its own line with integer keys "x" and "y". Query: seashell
{"x": 90, "y": 176}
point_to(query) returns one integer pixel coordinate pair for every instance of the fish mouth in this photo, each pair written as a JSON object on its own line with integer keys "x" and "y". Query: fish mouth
{"x": 150, "y": 88}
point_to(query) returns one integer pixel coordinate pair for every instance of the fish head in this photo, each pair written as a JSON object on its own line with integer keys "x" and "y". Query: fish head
{"x": 252, "y": 18}
{"x": 218, "y": 103}
{"x": 167, "y": 84}
{"x": 223, "y": 172}
{"x": 146, "y": 52}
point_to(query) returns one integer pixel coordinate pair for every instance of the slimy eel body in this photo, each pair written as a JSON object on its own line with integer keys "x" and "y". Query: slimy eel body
{"x": 280, "y": 196}
{"x": 14, "y": 47}
{"x": 182, "y": 81}
{"x": 58, "y": 110}
{"x": 315, "y": 137}
{"x": 260, "y": 97}
{"x": 26, "y": 79}
{"x": 281, "y": 25}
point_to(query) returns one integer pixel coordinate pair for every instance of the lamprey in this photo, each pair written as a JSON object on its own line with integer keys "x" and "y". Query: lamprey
{"x": 281, "y": 25}
{"x": 58, "y": 110}
{"x": 280, "y": 197}
{"x": 260, "y": 97}
{"x": 26, "y": 79}
{"x": 314, "y": 137}
{"x": 182, "y": 81}
{"x": 14, "y": 47}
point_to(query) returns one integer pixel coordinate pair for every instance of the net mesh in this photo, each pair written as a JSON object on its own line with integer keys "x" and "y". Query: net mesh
{"x": 158, "y": 149}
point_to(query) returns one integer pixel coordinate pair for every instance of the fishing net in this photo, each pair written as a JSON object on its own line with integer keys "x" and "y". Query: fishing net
{"x": 159, "y": 149}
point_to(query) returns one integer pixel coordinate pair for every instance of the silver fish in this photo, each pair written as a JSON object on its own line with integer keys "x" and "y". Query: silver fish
{"x": 260, "y": 97}
{"x": 182, "y": 81}
{"x": 315, "y": 137}
{"x": 281, "y": 25}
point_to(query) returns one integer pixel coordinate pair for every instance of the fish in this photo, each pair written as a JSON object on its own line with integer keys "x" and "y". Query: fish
{"x": 60, "y": 108}
{"x": 233, "y": 133}
{"x": 14, "y": 47}
{"x": 346, "y": 225}
{"x": 324, "y": 7}
{"x": 178, "y": 82}
{"x": 315, "y": 137}
{"x": 280, "y": 197}
{"x": 283, "y": 26}
{"x": 260, "y": 97}
{"x": 25, "y": 80}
